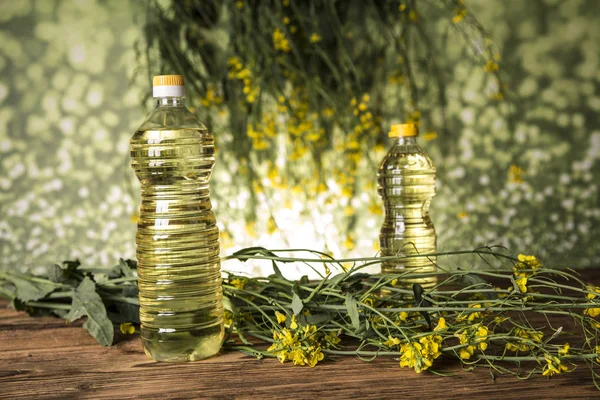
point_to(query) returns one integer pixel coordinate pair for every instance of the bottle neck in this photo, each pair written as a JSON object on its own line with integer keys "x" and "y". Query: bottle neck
{"x": 405, "y": 140}
{"x": 170, "y": 101}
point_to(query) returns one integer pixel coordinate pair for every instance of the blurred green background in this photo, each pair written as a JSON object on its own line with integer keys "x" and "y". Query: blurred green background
{"x": 71, "y": 95}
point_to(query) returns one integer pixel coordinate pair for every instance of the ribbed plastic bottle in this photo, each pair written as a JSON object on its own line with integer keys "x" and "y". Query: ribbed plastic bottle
{"x": 172, "y": 154}
{"x": 406, "y": 183}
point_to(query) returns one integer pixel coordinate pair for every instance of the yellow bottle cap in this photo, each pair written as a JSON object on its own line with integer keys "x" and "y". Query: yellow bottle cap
{"x": 167, "y": 80}
{"x": 403, "y": 130}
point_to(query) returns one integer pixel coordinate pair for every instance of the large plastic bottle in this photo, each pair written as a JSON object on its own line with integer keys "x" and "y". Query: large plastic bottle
{"x": 406, "y": 183}
{"x": 181, "y": 308}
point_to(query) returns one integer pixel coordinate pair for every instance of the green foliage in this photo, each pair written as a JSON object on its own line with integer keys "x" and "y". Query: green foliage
{"x": 367, "y": 315}
{"x": 29, "y": 288}
{"x": 87, "y": 303}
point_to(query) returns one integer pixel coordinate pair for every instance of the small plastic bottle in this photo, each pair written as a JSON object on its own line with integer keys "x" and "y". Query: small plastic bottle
{"x": 406, "y": 183}
{"x": 181, "y": 310}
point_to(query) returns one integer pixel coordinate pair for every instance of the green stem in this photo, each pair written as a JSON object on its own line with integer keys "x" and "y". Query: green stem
{"x": 122, "y": 299}
{"x": 242, "y": 257}
{"x": 52, "y": 306}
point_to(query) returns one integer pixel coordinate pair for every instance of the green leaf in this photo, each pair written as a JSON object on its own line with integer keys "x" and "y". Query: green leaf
{"x": 352, "y": 308}
{"x": 317, "y": 319}
{"x": 56, "y": 274}
{"x": 337, "y": 278}
{"x": 297, "y": 304}
{"x": 86, "y": 302}
{"x": 253, "y": 251}
{"x": 61, "y": 273}
{"x": 421, "y": 301}
{"x": 129, "y": 312}
{"x": 354, "y": 282}
{"x": 277, "y": 271}
{"x": 479, "y": 282}
{"x": 28, "y": 288}
{"x": 126, "y": 269}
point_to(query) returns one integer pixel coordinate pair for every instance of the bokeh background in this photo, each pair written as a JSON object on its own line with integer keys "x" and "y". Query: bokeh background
{"x": 523, "y": 175}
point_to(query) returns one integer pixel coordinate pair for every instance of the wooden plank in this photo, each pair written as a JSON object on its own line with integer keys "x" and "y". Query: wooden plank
{"x": 124, "y": 372}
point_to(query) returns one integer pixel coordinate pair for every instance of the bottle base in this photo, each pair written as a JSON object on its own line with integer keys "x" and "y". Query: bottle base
{"x": 180, "y": 347}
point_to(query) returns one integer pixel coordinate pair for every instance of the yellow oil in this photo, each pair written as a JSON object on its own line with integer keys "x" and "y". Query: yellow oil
{"x": 406, "y": 183}
{"x": 180, "y": 297}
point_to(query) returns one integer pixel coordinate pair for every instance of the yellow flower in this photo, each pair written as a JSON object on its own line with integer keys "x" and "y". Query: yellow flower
{"x": 441, "y": 325}
{"x": 420, "y": 355}
{"x": 332, "y": 338}
{"x": 429, "y": 136}
{"x": 565, "y": 350}
{"x": 522, "y": 284}
{"x": 328, "y": 112}
{"x": 227, "y": 318}
{"x": 294, "y": 323}
{"x": 473, "y": 337}
{"x": 238, "y": 282}
{"x": 239, "y": 4}
{"x": 271, "y": 226}
{"x": 515, "y": 174}
{"x": 280, "y": 317}
{"x": 309, "y": 330}
{"x": 598, "y": 353}
{"x": 595, "y": 289}
{"x": 127, "y": 328}
{"x": 465, "y": 352}
{"x": 315, "y": 356}
{"x": 527, "y": 266}
{"x": 481, "y": 337}
{"x": 370, "y": 301}
{"x": 392, "y": 341}
{"x": 409, "y": 353}
{"x": 459, "y": 15}
{"x": 396, "y": 77}
{"x": 297, "y": 357}
{"x": 554, "y": 366}
{"x": 592, "y": 312}
{"x": 401, "y": 317}
{"x": 303, "y": 347}
{"x": 470, "y": 316}
{"x": 315, "y": 38}
{"x": 349, "y": 242}
{"x": 491, "y": 66}
{"x": 280, "y": 42}
{"x": 286, "y": 20}
{"x": 251, "y": 229}
{"x": 432, "y": 345}
{"x": 527, "y": 340}
{"x": 462, "y": 215}
{"x": 281, "y": 355}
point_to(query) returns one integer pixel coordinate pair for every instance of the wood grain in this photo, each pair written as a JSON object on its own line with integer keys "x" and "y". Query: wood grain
{"x": 45, "y": 358}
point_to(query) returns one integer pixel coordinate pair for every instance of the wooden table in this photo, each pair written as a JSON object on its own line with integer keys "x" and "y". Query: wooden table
{"x": 45, "y": 358}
